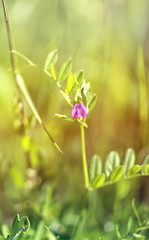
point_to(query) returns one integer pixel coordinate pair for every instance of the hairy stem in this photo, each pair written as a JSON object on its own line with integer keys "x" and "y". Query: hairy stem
{"x": 85, "y": 168}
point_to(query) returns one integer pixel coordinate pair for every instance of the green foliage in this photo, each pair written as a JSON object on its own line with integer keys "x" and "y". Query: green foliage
{"x": 92, "y": 102}
{"x": 95, "y": 167}
{"x": 112, "y": 161}
{"x": 117, "y": 173}
{"x": 116, "y": 87}
{"x": 51, "y": 59}
{"x": 69, "y": 83}
{"x": 134, "y": 170}
{"x": 64, "y": 70}
{"x": 98, "y": 181}
{"x": 145, "y": 162}
{"x": 64, "y": 117}
{"x": 5, "y": 230}
{"x": 129, "y": 160}
{"x": 18, "y": 228}
{"x": 76, "y": 86}
{"x": 114, "y": 171}
{"x": 133, "y": 232}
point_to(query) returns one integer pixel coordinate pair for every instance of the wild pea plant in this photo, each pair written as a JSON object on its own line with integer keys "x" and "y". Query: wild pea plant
{"x": 78, "y": 94}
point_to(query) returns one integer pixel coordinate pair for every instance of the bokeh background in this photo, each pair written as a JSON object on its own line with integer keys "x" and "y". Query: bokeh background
{"x": 109, "y": 40}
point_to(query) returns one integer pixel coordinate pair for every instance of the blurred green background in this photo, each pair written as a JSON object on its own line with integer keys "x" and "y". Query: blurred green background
{"x": 109, "y": 40}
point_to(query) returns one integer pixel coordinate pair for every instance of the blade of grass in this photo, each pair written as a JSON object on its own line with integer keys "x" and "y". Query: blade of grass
{"x": 25, "y": 92}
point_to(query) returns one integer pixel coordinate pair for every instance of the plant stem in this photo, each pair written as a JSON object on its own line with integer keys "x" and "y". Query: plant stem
{"x": 12, "y": 55}
{"x": 85, "y": 168}
{"x": 20, "y": 83}
{"x": 136, "y": 212}
{"x": 9, "y": 42}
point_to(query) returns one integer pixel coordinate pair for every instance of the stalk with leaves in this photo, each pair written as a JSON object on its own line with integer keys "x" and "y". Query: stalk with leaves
{"x": 20, "y": 82}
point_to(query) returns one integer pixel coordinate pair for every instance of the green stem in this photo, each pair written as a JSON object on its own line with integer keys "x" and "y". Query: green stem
{"x": 136, "y": 212}
{"x": 85, "y": 168}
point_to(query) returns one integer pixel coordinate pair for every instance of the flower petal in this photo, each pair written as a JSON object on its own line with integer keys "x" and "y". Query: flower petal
{"x": 79, "y": 111}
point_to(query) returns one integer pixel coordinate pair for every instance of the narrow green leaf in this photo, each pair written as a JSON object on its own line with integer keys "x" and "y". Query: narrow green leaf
{"x": 130, "y": 224}
{"x": 25, "y": 92}
{"x": 145, "y": 162}
{"x": 146, "y": 169}
{"x": 53, "y": 72}
{"x": 51, "y": 59}
{"x": 98, "y": 181}
{"x": 75, "y": 85}
{"x": 65, "y": 70}
{"x": 78, "y": 97}
{"x": 129, "y": 160}
{"x": 69, "y": 83}
{"x": 112, "y": 161}
{"x": 84, "y": 97}
{"x": 117, "y": 173}
{"x": 66, "y": 97}
{"x": 92, "y": 102}
{"x": 143, "y": 227}
{"x": 138, "y": 236}
{"x": 95, "y": 167}
{"x": 64, "y": 117}
{"x": 118, "y": 231}
{"x": 80, "y": 77}
{"x": 134, "y": 170}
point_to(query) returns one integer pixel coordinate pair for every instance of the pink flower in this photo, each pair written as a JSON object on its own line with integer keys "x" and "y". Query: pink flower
{"x": 79, "y": 111}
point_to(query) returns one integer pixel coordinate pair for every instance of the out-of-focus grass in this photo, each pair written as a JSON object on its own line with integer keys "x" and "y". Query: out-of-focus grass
{"x": 103, "y": 38}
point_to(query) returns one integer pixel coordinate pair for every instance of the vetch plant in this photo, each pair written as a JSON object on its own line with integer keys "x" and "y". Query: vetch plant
{"x": 78, "y": 94}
